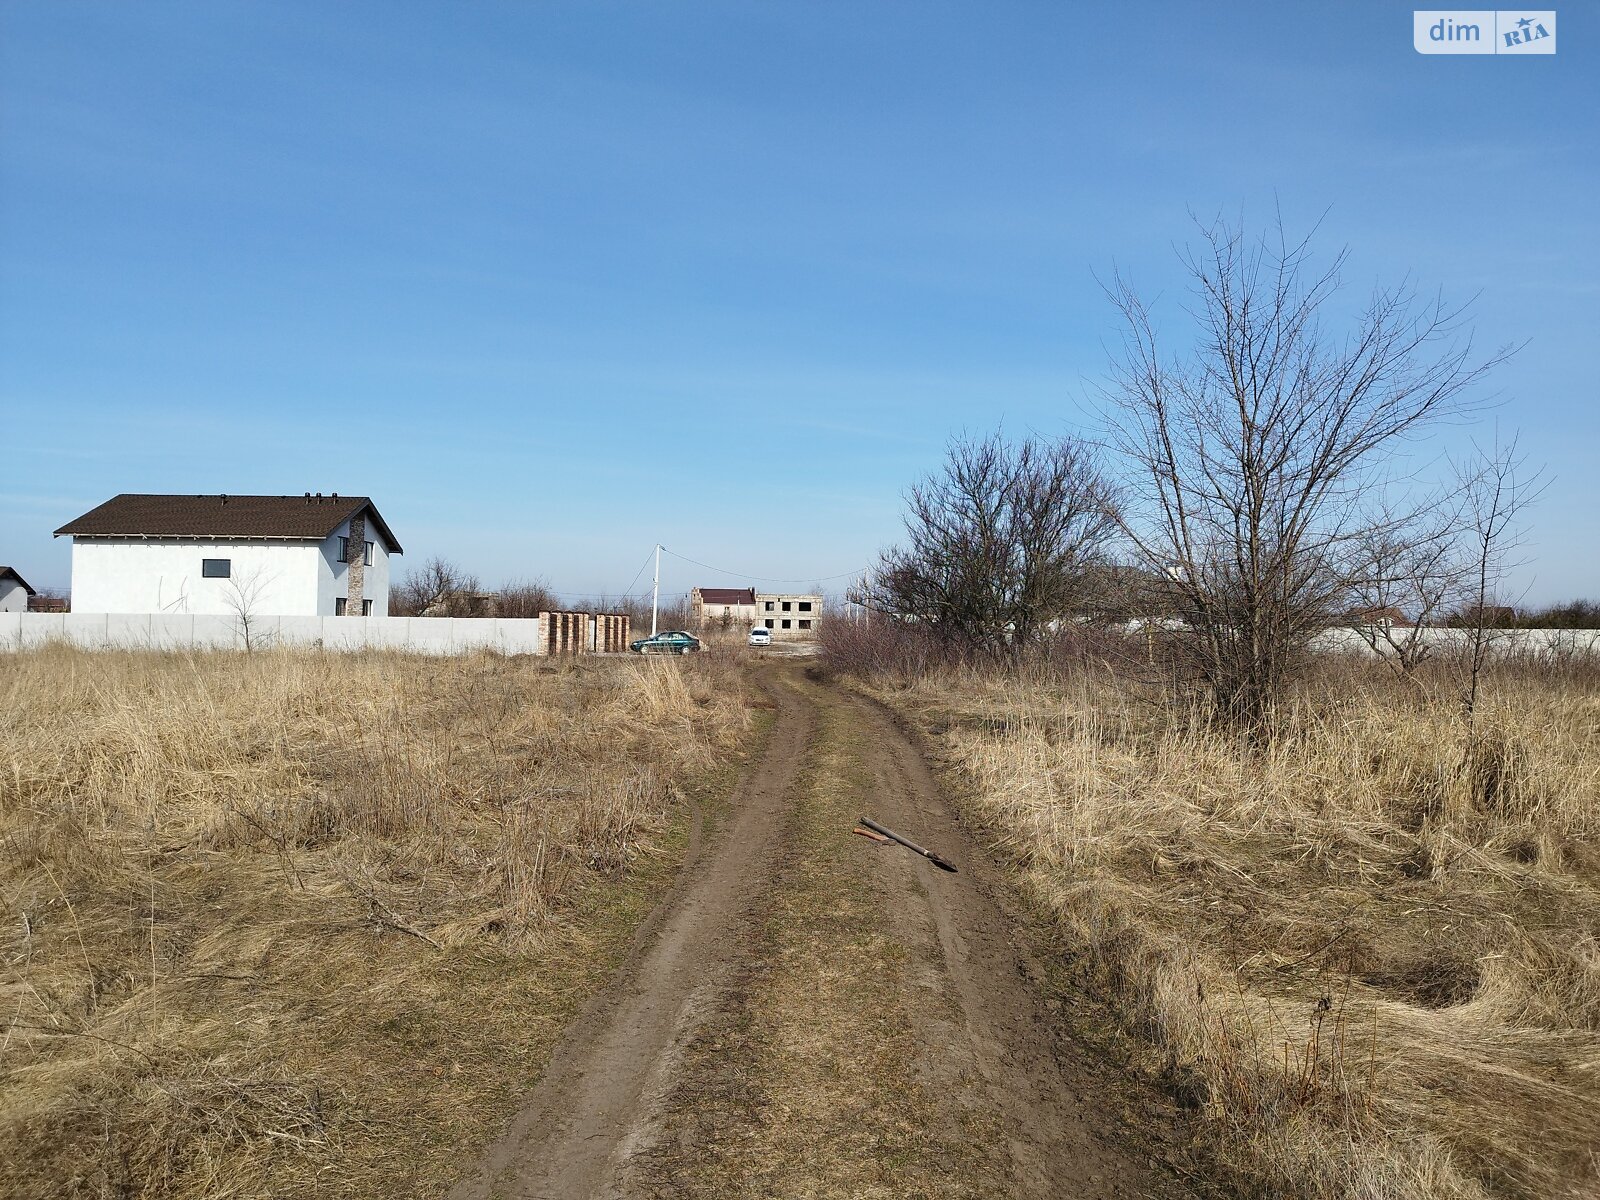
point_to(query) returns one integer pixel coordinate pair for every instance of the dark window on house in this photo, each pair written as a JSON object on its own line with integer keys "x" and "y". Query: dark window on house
{"x": 338, "y": 606}
{"x": 366, "y": 605}
{"x": 805, "y": 624}
{"x": 344, "y": 551}
{"x": 805, "y": 606}
{"x": 785, "y": 606}
{"x": 769, "y": 605}
{"x": 768, "y": 624}
{"x": 216, "y": 568}
{"x": 786, "y": 623}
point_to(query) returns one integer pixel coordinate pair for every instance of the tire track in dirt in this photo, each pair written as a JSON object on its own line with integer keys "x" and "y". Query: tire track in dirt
{"x": 1055, "y": 1104}
{"x": 597, "y": 1099}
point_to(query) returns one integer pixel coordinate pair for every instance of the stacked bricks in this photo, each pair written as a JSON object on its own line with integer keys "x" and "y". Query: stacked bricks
{"x": 611, "y": 633}
{"x": 582, "y": 633}
{"x": 563, "y": 632}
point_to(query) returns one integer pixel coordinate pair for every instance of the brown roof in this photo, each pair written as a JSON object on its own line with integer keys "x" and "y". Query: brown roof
{"x": 294, "y": 518}
{"x": 727, "y": 595}
{"x": 12, "y": 572}
{"x": 1371, "y": 616}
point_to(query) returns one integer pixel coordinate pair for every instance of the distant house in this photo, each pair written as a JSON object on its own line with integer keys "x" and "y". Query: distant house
{"x": 1490, "y": 616}
{"x": 1377, "y": 618}
{"x": 464, "y": 604}
{"x": 789, "y": 615}
{"x": 725, "y": 607}
{"x": 310, "y": 555}
{"x": 14, "y": 591}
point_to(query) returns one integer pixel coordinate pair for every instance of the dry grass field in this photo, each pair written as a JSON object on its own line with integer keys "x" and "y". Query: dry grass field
{"x": 1368, "y": 956}
{"x": 297, "y": 924}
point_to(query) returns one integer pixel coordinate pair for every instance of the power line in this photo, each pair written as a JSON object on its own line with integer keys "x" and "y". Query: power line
{"x": 628, "y": 591}
{"x": 763, "y": 578}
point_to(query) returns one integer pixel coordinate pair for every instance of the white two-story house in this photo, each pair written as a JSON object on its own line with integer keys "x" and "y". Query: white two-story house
{"x": 310, "y": 555}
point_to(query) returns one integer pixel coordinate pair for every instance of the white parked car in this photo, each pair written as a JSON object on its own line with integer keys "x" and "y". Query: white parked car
{"x": 760, "y": 636}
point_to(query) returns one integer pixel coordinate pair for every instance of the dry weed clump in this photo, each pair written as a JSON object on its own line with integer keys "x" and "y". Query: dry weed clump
{"x": 294, "y": 923}
{"x": 1369, "y": 954}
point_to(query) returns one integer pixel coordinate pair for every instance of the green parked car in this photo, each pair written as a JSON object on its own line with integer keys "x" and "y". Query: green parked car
{"x": 674, "y": 642}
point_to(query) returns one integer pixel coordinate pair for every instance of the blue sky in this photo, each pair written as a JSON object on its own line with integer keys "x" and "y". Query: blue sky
{"x": 552, "y": 281}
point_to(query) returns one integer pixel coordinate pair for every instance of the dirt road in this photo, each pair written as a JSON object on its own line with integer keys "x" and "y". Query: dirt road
{"x": 811, "y": 1014}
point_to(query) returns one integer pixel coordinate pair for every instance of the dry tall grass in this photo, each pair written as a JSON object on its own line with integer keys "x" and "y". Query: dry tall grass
{"x": 304, "y": 924}
{"x": 1369, "y": 955}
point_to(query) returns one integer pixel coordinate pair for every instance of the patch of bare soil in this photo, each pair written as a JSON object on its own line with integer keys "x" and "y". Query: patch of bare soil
{"x": 814, "y": 1014}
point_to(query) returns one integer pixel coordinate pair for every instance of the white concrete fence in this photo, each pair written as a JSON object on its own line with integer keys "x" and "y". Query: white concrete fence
{"x": 174, "y": 631}
{"x": 1537, "y": 643}
{"x": 461, "y": 635}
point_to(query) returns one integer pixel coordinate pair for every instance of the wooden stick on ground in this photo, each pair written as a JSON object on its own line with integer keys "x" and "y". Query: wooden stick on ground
{"x": 909, "y": 845}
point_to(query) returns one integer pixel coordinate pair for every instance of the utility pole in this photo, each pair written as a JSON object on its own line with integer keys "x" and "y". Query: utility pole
{"x": 655, "y": 592}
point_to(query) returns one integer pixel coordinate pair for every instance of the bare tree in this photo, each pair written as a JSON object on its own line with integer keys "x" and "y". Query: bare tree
{"x": 242, "y": 595}
{"x": 674, "y": 611}
{"x": 1410, "y": 570}
{"x": 998, "y": 545}
{"x": 1498, "y": 489}
{"x": 1254, "y": 458}
{"x": 526, "y": 598}
{"x": 437, "y": 588}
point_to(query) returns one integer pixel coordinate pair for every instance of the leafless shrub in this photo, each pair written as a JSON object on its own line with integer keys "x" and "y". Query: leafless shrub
{"x": 1570, "y": 614}
{"x": 1498, "y": 489}
{"x": 873, "y": 646}
{"x": 673, "y": 612}
{"x": 243, "y": 595}
{"x": 998, "y": 545}
{"x": 437, "y": 588}
{"x": 886, "y": 652}
{"x": 527, "y": 598}
{"x": 1410, "y": 571}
